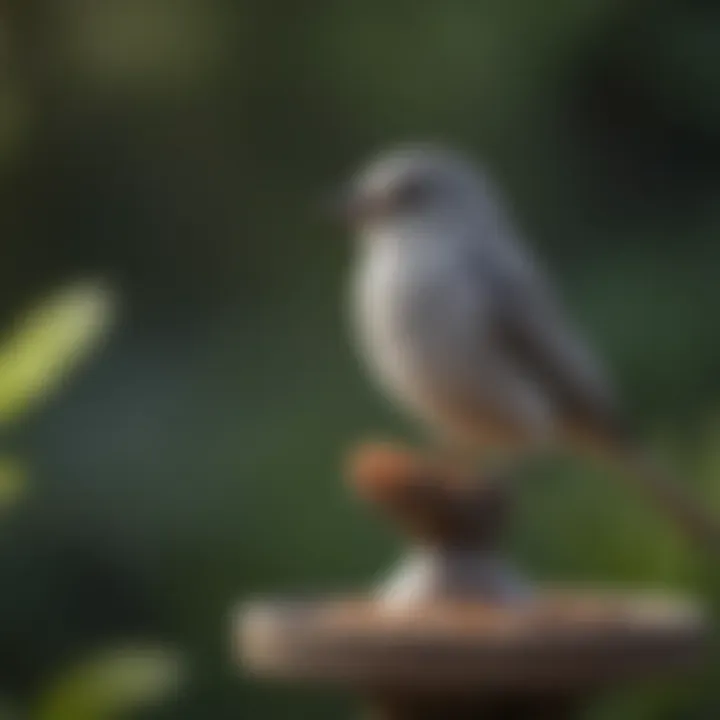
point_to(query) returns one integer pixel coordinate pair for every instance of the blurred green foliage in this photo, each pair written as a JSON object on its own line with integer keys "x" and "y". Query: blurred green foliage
{"x": 49, "y": 343}
{"x": 178, "y": 149}
{"x": 12, "y": 481}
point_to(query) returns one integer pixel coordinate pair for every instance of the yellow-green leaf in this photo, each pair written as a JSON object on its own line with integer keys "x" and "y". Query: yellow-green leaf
{"x": 111, "y": 684}
{"x": 49, "y": 342}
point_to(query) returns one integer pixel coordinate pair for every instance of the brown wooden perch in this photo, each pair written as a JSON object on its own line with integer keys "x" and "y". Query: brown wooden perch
{"x": 455, "y": 632}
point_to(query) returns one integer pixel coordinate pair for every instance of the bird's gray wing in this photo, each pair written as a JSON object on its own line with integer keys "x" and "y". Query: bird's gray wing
{"x": 531, "y": 331}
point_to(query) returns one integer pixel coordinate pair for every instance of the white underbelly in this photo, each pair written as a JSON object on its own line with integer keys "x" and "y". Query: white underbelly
{"x": 421, "y": 333}
{"x": 411, "y": 322}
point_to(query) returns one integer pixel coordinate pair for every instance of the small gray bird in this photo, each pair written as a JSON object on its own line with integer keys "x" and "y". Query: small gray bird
{"x": 457, "y": 321}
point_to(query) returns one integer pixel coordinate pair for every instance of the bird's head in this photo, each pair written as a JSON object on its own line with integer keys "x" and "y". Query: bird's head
{"x": 412, "y": 184}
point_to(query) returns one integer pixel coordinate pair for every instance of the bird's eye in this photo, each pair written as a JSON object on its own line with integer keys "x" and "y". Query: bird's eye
{"x": 412, "y": 193}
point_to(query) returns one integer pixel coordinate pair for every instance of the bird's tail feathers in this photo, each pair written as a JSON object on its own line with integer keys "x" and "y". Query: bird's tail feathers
{"x": 667, "y": 495}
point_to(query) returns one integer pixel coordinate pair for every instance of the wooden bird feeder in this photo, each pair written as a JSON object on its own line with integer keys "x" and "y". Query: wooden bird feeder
{"x": 455, "y": 632}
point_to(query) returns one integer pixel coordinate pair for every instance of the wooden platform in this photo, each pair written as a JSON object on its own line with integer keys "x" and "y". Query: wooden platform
{"x": 560, "y": 641}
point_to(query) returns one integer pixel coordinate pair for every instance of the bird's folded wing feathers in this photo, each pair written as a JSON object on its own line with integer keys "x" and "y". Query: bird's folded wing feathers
{"x": 531, "y": 331}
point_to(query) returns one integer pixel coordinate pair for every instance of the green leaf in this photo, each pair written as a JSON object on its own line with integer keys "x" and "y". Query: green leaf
{"x": 49, "y": 342}
{"x": 111, "y": 684}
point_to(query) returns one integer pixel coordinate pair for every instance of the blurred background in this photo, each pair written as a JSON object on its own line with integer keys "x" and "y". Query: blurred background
{"x": 176, "y": 385}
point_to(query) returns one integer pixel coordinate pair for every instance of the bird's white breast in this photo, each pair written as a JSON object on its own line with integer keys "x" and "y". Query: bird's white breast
{"x": 412, "y": 316}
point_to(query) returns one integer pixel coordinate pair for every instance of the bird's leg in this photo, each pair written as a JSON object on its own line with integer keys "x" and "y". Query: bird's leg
{"x": 472, "y": 463}
{"x": 460, "y": 460}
